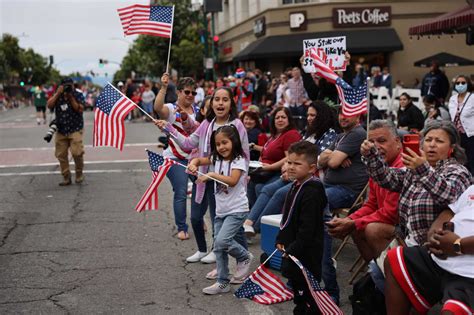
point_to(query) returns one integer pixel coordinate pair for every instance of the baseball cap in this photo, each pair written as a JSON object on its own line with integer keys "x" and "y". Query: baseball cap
{"x": 67, "y": 80}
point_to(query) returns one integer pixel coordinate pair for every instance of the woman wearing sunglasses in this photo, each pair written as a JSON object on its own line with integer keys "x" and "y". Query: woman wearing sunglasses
{"x": 182, "y": 116}
{"x": 461, "y": 109}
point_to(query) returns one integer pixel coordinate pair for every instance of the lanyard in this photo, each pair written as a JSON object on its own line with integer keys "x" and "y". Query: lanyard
{"x": 290, "y": 213}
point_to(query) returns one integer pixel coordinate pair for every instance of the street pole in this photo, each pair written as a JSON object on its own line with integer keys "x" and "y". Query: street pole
{"x": 214, "y": 57}
{"x": 206, "y": 44}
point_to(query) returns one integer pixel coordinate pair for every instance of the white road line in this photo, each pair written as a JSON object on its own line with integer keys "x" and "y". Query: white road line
{"x": 139, "y": 170}
{"x": 87, "y": 146}
{"x": 72, "y": 162}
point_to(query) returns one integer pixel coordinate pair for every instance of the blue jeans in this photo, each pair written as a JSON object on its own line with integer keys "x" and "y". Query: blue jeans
{"x": 179, "y": 180}
{"x": 273, "y": 205}
{"x": 199, "y": 210}
{"x": 254, "y": 189}
{"x": 328, "y": 271}
{"x": 226, "y": 229}
{"x": 338, "y": 197}
{"x": 265, "y": 195}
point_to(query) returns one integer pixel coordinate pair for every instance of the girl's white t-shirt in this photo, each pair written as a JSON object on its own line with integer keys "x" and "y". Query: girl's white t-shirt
{"x": 231, "y": 199}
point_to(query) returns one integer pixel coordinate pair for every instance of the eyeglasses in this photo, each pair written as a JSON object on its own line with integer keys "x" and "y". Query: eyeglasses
{"x": 187, "y": 92}
{"x": 460, "y": 83}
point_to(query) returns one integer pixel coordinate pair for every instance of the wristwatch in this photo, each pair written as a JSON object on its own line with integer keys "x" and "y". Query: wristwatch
{"x": 457, "y": 246}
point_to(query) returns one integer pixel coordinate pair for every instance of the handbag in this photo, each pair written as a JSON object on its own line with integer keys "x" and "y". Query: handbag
{"x": 260, "y": 176}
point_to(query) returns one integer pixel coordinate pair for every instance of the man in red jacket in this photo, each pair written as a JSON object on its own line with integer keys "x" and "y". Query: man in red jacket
{"x": 372, "y": 226}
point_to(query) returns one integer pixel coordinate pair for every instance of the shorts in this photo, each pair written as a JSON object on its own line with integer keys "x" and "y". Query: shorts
{"x": 425, "y": 283}
{"x": 40, "y": 109}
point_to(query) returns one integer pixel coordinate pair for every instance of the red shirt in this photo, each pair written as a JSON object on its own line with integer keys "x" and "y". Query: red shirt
{"x": 274, "y": 149}
{"x": 381, "y": 206}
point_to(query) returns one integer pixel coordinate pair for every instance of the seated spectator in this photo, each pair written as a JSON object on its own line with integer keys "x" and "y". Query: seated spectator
{"x": 344, "y": 179}
{"x": 428, "y": 183}
{"x": 321, "y": 132}
{"x": 434, "y": 110}
{"x": 422, "y": 276}
{"x": 372, "y": 226}
{"x": 255, "y": 134}
{"x": 273, "y": 153}
{"x": 410, "y": 117}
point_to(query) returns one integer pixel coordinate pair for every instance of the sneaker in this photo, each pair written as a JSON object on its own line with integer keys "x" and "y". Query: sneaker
{"x": 212, "y": 275}
{"x": 233, "y": 280}
{"x": 209, "y": 258}
{"x": 249, "y": 230}
{"x": 243, "y": 268}
{"x": 216, "y": 288}
{"x": 196, "y": 257}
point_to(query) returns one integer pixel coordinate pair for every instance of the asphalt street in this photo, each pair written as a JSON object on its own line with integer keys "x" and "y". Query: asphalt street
{"x": 83, "y": 249}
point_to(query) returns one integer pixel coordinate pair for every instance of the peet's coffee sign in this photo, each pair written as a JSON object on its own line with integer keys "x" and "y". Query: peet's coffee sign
{"x": 361, "y": 17}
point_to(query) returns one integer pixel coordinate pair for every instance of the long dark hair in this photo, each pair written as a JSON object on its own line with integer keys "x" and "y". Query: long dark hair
{"x": 325, "y": 119}
{"x": 291, "y": 122}
{"x": 231, "y": 132}
{"x": 233, "y": 114}
{"x": 410, "y": 100}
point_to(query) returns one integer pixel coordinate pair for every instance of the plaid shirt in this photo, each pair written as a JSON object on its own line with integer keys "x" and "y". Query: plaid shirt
{"x": 424, "y": 192}
{"x": 297, "y": 91}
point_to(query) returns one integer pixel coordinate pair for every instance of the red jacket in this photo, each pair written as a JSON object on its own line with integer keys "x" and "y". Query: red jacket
{"x": 381, "y": 206}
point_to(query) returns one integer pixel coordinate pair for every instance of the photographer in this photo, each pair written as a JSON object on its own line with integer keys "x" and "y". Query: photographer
{"x": 68, "y": 105}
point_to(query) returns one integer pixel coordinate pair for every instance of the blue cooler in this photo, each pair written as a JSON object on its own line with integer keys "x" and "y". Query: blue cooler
{"x": 269, "y": 228}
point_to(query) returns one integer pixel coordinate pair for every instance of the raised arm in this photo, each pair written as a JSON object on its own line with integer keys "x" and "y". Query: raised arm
{"x": 159, "y": 107}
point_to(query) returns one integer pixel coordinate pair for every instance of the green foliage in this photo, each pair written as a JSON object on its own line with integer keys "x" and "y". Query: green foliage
{"x": 148, "y": 55}
{"x": 18, "y": 64}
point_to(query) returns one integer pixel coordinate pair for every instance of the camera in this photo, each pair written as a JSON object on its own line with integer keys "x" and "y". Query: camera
{"x": 67, "y": 88}
{"x": 52, "y": 129}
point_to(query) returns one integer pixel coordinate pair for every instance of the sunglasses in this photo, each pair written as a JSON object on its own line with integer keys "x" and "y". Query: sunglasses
{"x": 187, "y": 92}
{"x": 460, "y": 83}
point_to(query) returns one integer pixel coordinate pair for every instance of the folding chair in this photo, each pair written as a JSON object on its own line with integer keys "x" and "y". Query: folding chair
{"x": 344, "y": 212}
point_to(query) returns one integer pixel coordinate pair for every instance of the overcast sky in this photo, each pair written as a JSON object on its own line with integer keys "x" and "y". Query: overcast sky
{"x": 76, "y": 32}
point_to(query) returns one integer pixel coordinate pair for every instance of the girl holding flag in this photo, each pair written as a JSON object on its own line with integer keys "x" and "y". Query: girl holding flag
{"x": 223, "y": 111}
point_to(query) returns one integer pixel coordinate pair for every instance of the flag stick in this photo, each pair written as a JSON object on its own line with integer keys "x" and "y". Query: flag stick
{"x": 271, "y": 255}
{"x": 132, "y": 102}
{"x": 200, "y": 173}
{"x": 171, "y": 37}
{"x": 368, "y": 107}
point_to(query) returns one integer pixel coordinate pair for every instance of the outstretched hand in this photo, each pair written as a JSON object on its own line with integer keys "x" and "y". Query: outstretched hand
{"x": 160, "y": 123}
{"x": 365, "y": 147}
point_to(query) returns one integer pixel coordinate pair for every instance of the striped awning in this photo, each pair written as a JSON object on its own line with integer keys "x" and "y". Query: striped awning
{"x": 452, "y": 22}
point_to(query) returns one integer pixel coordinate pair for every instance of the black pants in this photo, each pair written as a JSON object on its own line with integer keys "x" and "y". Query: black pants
{"x": 468, "y": 144}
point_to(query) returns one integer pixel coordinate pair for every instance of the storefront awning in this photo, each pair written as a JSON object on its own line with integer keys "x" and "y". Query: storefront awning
{"x": 444, "y": 60}
{"x": 359, "y": 41}
{"x": 456, "y": 21}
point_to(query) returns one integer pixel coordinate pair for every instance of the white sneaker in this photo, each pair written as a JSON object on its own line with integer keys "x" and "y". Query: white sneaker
{"x": 243, "y": 268}
{"x": 209, "y": 258}
{"x": 196, "y": 257}
{"x": 249, "y": 230}
{"x": 217, "y": 288}
{"x": 212, "y": 275}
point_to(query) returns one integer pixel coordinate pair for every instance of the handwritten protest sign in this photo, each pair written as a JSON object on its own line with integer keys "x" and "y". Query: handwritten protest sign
{"x": 333, "y": 47}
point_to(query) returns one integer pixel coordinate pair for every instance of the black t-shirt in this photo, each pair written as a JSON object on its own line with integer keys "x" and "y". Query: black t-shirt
{"x": 67, "y": 119}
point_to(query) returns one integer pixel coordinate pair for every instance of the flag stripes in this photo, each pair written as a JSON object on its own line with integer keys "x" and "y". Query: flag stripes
{"x": 146, "y": 19}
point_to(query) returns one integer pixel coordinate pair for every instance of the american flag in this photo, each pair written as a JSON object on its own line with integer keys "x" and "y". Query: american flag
{"x": 159, "y": 167}
{"x": 264, "y": 287}
{"x": 111, "y": 109}
{"x": 353, "y": 100}
{"x": 323, "y": 300}
{"x": 154, "y": 20}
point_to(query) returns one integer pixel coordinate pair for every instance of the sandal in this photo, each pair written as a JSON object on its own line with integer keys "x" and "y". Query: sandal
{"x": 182, "y": 235}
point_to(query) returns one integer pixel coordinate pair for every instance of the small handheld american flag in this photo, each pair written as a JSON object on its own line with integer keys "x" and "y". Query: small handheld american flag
{"x": 323, "y": 300}
{"x": 159, "y": 167}
{"x": 111, "y": 109}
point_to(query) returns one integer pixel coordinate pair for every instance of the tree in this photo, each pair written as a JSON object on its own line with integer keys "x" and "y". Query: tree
{"x": 148, "y": 55}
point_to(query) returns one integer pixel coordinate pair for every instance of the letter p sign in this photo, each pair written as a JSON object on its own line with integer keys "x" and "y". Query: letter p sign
{"x": 297, "y": 20}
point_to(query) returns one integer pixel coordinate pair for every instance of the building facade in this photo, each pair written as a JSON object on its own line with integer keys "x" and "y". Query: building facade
{"x": 268, "y": 34}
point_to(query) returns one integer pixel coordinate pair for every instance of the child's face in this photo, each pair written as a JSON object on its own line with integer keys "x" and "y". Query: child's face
{"x": 298, "y": 167}
{"x": 223, "y": 146}
{"x": 221, "y": 104}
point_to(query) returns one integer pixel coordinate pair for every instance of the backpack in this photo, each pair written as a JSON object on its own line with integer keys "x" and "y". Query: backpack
{"x": 366, "y": 299}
